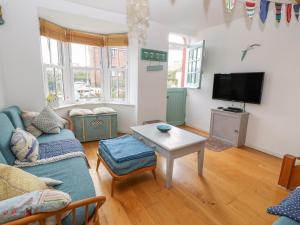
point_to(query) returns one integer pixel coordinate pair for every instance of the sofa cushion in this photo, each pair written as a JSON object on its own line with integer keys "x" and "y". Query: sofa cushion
{"x": 24, "y": 145}
{"x": 14, "y": 114}
{"x": 15, "y": 182}
{"x": 47, "y": 121}
{"x": 2, "y": 159}
{"x": 6, "y": 131}
{"x": 285, "y": 221}
{"x": 77, "y": 181}
{"x": 27, "y": 120}
{"x": 64, "y": 134}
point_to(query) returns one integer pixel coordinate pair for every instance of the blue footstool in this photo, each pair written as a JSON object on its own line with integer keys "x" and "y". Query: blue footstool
{"x": 125, "y": 156}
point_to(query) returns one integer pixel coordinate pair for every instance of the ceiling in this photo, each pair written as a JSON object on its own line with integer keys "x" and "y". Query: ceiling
{"x": 185, "y": 15}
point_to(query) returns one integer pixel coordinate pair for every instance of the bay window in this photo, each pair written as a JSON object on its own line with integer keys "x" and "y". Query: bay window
{"x": 84, "y": 67}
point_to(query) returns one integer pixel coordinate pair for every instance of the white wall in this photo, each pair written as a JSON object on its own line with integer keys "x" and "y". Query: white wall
{"x": 274, "y": 125}
{"x": 20, "y": 55}
{"x": 2, "y": 97}
{"x": 152, "y": 86}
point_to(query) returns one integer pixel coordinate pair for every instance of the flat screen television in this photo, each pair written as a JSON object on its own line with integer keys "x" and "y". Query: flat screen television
{"x": 239, "y": 87}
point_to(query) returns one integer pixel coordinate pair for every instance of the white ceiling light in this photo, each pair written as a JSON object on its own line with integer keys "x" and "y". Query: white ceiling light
{"x": 138, "y": 16}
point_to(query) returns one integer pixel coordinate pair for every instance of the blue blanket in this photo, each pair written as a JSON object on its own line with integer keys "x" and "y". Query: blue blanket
{"x": 57, "y": 148}
{"x": 126, "y": 148}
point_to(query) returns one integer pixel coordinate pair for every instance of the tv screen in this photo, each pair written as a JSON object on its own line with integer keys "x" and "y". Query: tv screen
{"x": 239, "y": 87}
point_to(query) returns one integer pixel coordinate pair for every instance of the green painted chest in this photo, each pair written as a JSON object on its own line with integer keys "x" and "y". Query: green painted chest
{"x": 95, "y": 127}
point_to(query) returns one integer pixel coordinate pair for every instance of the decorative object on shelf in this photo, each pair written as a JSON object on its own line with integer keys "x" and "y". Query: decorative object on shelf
{"x": 230, "y": 4}
{"x": 164, "y": 128}
{"x": 288, "y": 9}
{"x": 154, "y": 55}
{"x": 278, "y": 7}
{"x": 138, "y": 16}
{"x": 1, "y": 16}
{"x": 296, "y": 10}
{"x": 250, "y": 7}
{"x": 250, "y": 47}
{"x": 52, "y": 100}
{"x": 264, "y": 8}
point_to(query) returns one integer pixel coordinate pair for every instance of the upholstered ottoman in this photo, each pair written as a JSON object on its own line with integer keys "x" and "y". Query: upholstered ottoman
{"x": 125, "y": 156}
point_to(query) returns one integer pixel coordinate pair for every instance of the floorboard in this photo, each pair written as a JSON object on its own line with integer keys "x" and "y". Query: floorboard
{"x": 237, "y": 187}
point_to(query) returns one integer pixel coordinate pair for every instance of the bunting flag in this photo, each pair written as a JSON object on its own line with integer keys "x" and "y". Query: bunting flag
{"x": 250, "y": 7}
{"x": 264, "y": 8}
{"x": 278, "y": 7}
{"x": 288, "y": 8}
{"x": 230, "y": 4}
{"x": 296, "y": 10}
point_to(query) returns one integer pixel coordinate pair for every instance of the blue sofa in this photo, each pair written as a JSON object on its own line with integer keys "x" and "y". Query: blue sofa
{"x": 73, "y": 172}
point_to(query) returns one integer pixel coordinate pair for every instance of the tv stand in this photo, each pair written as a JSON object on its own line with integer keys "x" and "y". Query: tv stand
{"x": 230, "y": 127}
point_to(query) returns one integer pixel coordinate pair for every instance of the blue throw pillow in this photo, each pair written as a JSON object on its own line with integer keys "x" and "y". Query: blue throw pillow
{"x": 289, "y": 207}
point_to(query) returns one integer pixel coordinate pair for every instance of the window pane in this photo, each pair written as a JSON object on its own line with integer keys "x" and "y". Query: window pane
{"x": 94, "y": 58}
{"x": 118, "y": 85}
{"x": 45, "y": 50}
{"x": 54, "y": 52}
{"x": 88, "y": 84}
{"x": 86, "y": 56}
{"x": 55, "y": 82}
{"x": 78, "y": 55}
{"x": 118, "y": 57}
{"x": 175, "y": 63}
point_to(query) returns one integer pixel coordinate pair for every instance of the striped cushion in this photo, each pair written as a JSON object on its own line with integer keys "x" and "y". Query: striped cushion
{"x": 24, "y": 145}
{"x": 32, "y": 203}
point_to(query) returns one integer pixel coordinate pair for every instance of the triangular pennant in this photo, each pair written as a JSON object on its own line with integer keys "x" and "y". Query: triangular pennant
{"x": 250, "y": 7}
{"x": 296, "y": 10}
{"x": 288, "y": 8}
{"x": 230, "y": 4}
{"x": 278, "y": 7}
{"x": 264, "y": 8}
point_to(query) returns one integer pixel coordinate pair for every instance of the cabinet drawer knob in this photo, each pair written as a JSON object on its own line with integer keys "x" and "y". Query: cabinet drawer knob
{"x": 236, "y": 131}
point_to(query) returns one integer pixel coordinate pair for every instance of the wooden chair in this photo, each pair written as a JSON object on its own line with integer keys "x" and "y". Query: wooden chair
{"x": 41, "y": 217}
{"x": 290, "y": 172}
{"x": 116, "y": 177}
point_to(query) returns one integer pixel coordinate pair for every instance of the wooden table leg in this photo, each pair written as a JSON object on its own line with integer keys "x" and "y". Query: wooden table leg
{"x": 201, "y": 160}
{"x": 169, "y": 171}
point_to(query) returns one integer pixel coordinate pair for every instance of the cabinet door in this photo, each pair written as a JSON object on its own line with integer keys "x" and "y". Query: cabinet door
{"x": 176, "y": 104}
{"x": 225, "y": 127}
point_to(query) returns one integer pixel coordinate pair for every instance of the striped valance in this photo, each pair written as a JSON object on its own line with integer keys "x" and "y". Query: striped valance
{"x": 54, "y": 31}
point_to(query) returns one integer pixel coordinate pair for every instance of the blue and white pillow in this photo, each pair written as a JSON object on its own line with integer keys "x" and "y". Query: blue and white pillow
{"x": 289, "y": 207}
{"x": 24, "y": 146}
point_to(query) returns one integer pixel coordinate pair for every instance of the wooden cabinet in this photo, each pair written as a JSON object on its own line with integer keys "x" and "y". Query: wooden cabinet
{"x": 95, "y": 127}
{"x": 229, "y": 127}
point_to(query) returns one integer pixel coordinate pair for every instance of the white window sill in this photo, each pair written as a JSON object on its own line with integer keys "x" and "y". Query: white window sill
{"x": 69, "y": 105}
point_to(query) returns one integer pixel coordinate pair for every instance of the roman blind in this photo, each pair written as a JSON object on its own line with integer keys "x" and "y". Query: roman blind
{"x": 54, "y": 31}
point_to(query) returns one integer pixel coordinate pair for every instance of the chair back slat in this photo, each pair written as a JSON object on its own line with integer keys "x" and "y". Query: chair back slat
{"x": 86, "y": 214}
{"x": 74, "y": 216}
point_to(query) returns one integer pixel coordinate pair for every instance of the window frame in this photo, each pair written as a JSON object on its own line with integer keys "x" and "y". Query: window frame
{"x": 65, "y": 55}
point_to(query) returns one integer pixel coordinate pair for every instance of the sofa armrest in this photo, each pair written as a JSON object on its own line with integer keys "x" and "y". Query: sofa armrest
{"x": 290, "y": 172}
{"x": 41, "y": 217}
{"x": 69, "y": 124}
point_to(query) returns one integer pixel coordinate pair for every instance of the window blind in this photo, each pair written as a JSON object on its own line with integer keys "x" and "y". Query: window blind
{"x": 54, "y": 31}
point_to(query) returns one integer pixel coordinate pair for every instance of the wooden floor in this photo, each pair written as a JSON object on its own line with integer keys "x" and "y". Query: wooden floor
{"x": 237, "y": 187}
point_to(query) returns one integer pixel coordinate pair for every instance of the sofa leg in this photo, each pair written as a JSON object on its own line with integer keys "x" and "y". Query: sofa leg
{"x": 113, "y": 187}
{"x": 154, "y": 174}
{"x": 98, "y": 164}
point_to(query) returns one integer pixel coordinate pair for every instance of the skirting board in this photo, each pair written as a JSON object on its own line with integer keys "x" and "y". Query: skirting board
{"x": 249, "y": 146}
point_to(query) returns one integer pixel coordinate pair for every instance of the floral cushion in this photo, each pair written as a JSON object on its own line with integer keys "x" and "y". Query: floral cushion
{"x": 14, "y": 182}
{"x": 27, "y": 118}
{"x": 47, "y": 122}
{"x": 24, "y": 146}
{"x": 33, "y": 203}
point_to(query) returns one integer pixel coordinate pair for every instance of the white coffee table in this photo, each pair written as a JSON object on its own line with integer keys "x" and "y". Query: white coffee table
{"x": 174, "y": 144}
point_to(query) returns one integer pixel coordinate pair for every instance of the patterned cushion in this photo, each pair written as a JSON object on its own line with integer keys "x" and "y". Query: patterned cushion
{"x": 27, "y": 120}
{"x": 24, "y": 145}
{"x": 289, "y": 207}
{"x": 50, "y": 182}
{"x": 80, "y": 112}
{"x": 47, "y": 122}
{"x": 14, "y": 182}
{"x": 61, "y": 121}
{"x": 33, "y": 203}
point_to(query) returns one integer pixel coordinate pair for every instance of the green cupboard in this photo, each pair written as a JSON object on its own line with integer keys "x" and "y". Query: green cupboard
{"x": 176, "y": 106}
